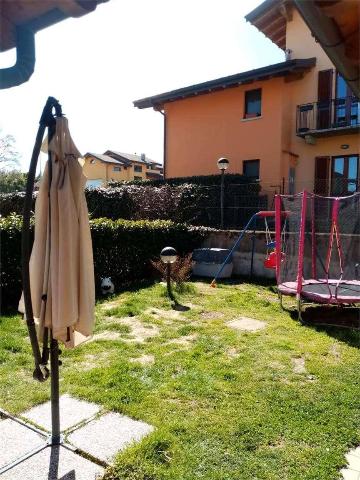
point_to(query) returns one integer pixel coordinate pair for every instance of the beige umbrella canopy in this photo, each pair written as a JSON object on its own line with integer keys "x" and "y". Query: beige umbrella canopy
{"x": 61, "y": 263}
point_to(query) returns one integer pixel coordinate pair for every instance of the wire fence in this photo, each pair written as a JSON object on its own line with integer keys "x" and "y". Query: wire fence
{"x": 241, "y": 201}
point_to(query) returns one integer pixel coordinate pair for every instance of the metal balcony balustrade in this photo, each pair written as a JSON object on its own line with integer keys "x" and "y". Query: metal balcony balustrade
{"x": 330, "y": 117}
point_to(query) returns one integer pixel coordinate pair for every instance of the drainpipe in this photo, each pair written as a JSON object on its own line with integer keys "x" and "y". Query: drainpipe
{"x": 25, "y": 60}
{"x": 165, "y": 135}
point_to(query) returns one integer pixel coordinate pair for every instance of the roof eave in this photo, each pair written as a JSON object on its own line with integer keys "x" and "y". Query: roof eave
{"x": 262, "y": 73}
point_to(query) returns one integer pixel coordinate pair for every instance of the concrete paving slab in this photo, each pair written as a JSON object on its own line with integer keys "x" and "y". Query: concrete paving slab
{"x": 72, "y": 412}
{"x": 348, "y": 474}
{"x": 246, "y": 324}
{"x": 55, "y": 463}
{"x": 104, "y": 437}
{"x": 16, "y": 441}
{"x": 353, "y": 462}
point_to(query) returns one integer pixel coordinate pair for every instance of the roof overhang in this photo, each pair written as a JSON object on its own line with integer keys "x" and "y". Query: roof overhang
{"x": 21, "y": 19}
{"x": 335, "y": 25}
{"x": 264, "y": 73}
{"x": 270, "y": 18}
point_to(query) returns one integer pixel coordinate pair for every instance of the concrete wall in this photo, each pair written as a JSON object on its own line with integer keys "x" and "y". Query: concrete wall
{"x": 202, "y": 129}
{"x": 242, "y": 255}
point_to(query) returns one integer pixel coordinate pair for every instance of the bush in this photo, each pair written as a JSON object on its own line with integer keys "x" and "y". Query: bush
{"x": 204, "y": 180}
{"x": 122, "y": 250}
{"x": 186, "y": 203}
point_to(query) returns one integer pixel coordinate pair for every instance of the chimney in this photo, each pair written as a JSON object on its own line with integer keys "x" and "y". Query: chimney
{"x": 143, "y": 156}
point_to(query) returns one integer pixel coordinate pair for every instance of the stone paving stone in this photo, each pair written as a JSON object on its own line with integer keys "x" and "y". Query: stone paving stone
{"x": 246, "y": 324}
{"x": 16, "y": 440}
{"x": 355, "y": 451}
{"x": 55, "y": 463}
{"x": 104, "y": 437}
{"x": 348, "y": 474}
{"x": 72, "y": 412}
{"x": 353, "y": 461}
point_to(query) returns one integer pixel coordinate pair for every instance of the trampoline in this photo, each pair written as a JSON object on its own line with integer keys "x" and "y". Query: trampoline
{"x": 319, "y": 259}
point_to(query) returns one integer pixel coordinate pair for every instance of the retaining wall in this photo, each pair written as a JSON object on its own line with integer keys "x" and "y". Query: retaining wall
{"x": 243, "y": 254}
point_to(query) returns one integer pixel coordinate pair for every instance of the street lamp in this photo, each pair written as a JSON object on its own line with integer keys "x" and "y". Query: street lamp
{"x": 223, "y": 164}
{"x": 168, "y": 256}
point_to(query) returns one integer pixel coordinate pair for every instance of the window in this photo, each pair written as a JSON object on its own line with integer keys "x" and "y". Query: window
{"x": 117, "y": 169}
{"x": 251, "y": 169}
{"x": 138, "y": 168}
{"x": 344, "y": 175}
{"x": 92, "y": 161}
{"x": 346, "y": 104}
{"x": 253, "y": 103}
{"x": 137, "y": 178}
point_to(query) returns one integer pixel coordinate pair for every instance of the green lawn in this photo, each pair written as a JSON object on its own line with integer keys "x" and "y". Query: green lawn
{"x": 227, "y": 405}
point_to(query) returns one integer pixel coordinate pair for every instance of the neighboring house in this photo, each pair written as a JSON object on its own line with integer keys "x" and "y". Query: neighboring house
{"x": 294, "y": 123}
{"x": 100, "y": 169}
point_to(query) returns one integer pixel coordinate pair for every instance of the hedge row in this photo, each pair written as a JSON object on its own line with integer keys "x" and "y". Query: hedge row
{"x": 187, "y": 203}
{"x": 122, "y": 250}
{"x": 205, "y": 180}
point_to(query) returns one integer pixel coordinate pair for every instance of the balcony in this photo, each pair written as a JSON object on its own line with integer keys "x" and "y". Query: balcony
{"x": 330, "y": 117}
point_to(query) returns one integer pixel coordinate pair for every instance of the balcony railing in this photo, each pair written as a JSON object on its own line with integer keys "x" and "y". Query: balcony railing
{"x": 328, "y": 117}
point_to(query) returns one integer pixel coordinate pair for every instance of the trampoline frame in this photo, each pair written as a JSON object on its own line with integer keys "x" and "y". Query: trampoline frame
{"x": 299, "y": 284}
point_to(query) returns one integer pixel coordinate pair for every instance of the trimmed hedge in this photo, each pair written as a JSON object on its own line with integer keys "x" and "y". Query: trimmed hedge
{"x": 186, "y": 203}
{"x": 204, "y": 180}
{"x": 122, "y": 250}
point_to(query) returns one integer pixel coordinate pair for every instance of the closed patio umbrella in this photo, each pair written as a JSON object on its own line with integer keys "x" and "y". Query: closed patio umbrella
{"x": 61, "y": 263}
{"x": 58, "y": 278}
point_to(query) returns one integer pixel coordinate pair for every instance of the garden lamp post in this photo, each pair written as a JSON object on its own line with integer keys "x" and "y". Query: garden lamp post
{"x": 168, "y": 256}
{"x": 223, "y": 164}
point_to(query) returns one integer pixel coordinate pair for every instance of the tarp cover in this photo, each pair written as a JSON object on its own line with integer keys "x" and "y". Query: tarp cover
{"x": 61, "y": 263}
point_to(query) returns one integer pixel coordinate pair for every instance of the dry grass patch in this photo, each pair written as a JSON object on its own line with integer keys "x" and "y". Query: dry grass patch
{"x": 185, "y": 341}
{"x": 144, "y": 360}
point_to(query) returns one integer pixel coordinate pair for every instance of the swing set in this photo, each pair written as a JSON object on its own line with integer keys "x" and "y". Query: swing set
{"x": 271, "y": 244}
{"x": 316, "y": 251}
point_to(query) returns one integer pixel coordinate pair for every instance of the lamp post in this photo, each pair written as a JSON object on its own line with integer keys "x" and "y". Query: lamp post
{"x": 223, "y": 164}
{"x": 168, "y": 256}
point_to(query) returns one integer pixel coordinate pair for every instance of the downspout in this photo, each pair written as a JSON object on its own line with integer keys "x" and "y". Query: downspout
{"x": 25, "y": 60}
{"x": 165, "y": 135}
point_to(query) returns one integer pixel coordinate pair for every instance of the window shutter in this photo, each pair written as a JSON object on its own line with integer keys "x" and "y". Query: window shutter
{"x": 324, "y": 99}
{"x": 321, "y": 182}
{"x": 325, "y": 85}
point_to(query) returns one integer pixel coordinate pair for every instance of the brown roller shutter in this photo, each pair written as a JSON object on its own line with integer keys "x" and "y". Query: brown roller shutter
{"x": 324, "y": 99}
{"x": 321, "y": 181}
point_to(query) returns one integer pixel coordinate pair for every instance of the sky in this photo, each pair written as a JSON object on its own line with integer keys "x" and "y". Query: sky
{"x": 97, "y": 65}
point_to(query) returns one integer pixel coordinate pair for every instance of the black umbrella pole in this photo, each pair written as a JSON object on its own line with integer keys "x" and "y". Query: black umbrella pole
{"x": 40, "y": 372}
{"x": 55, "y": 395}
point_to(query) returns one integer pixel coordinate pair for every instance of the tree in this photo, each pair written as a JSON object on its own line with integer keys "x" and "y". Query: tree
{"x": 9, "y": 156}
{"x": 12, "y": 181}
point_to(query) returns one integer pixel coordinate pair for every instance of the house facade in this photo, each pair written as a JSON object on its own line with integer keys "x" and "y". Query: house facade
{"x": 113, "y": 166}
{"x": 294, "y": 125}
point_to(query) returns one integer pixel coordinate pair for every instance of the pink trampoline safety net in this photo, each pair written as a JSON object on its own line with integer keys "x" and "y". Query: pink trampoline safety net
{"x": 320, "y": 239}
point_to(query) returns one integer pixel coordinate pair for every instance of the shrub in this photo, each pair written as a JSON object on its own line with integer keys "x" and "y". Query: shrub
{"x": 180, "y": 270}
{"x": 204, "y": 180}
{"x": 122, "y": 250}
{"x": 186, "y": 203}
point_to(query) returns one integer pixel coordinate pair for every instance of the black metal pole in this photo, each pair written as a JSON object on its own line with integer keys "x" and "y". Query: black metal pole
{"x": 55, "y": 392}
{"x": 253, "y": 249}
{"x": 168, "y": 281}
{"x": 40, "y": 372}
{"x": 55, "y": 438}
{"x": 222, "y": 199}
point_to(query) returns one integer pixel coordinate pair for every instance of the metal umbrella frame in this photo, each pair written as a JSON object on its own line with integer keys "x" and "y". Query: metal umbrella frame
{"x": 51, "y": 110}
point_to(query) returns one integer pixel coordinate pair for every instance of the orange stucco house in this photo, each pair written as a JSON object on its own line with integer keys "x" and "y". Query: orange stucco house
{"x": 295, "y": 123}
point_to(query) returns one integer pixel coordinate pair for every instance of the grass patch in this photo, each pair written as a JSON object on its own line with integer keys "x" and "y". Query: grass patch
{"x": 225, "y": 404}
